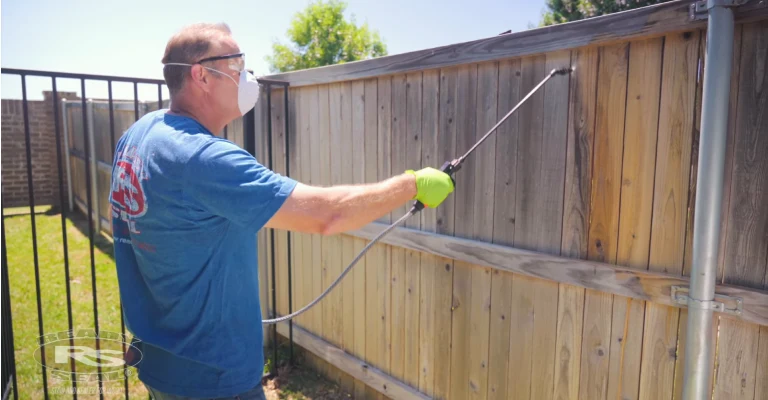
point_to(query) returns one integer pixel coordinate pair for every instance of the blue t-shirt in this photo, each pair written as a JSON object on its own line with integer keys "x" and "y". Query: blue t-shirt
{"x": 186, "y": 207}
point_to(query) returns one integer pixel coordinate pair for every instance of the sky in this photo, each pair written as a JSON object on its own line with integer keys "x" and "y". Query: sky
{"x": 127, "y": 38}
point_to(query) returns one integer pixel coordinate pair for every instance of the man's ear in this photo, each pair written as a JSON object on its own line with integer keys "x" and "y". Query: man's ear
{"x": 198, "y": 75}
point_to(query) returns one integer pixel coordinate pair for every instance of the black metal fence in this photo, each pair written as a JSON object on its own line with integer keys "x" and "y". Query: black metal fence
{"x": 9, "y": 363}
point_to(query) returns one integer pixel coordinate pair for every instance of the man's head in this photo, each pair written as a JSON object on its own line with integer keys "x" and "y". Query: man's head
{"x": 201, "y": 83}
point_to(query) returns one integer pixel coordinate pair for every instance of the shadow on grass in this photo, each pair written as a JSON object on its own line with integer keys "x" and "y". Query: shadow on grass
{"x": 100, "y": 239}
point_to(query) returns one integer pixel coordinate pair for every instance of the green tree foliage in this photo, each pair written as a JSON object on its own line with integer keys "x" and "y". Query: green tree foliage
{"x": 559, "y": 11}
{"x": 320, "y": 35}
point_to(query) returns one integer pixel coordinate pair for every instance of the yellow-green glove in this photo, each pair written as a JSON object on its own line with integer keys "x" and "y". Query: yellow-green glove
{"x": 432, "y": 186}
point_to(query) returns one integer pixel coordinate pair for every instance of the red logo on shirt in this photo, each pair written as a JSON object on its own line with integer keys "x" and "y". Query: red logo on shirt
{"x": 127, "y": 191}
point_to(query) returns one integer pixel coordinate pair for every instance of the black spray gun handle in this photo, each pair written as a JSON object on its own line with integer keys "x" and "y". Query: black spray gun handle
{"x": 450, "y": 168}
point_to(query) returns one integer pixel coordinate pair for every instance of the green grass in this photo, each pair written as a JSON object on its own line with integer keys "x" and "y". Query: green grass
{"x": 298, "y": 382}
{"x": 21, "y": 274}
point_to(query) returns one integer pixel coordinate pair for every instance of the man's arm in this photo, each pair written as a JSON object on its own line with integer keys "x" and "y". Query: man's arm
{"x": 330, "y": 210}
{"x": 341, "y": 208}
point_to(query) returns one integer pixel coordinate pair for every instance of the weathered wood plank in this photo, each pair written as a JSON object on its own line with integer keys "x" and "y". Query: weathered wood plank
{"x": 374, "y": 323}
{"x": 729, "y": 148}
{"x": 399, "y": 164}
{"x": 650, "y": 286}
{"x": 318, "y": 108}
{"x": 313, "y": 280}
{"x": 430, "y": 265}
{"x": 413, "y": 102}
{"x": 673, "y": 160}
{"x": 578, "y": 181}
{"x": 292, "y": 170}
{"x": 355, "y": 367}
{"x": 347, "y": 244}
{"x": 761, "y": 377}
{"x": 358, "y": 278}
{"x": 746, "y": 251}
{"x": 384, "y": 272}
{"x": 549, "y": 211}
{"x": 569, "y": 333}
{"x": 634, "y": 230}
{"x": 503, "y": 229}
{"x": 482, "y": 227}
{"x": 644, "y": 22}
{"x": 462, "y": 341}
{"x": 604, "y": 215}
{"x": 530, "y": 116}
{"x": 298, "y": 160}
{"x": 736, "y": 360}
{"x": 332, "y": 247}
{"x": 311, "y": 263}
{"x": 446, "y": 150}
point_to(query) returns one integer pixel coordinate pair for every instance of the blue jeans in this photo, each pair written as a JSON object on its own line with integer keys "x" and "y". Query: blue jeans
{"x": 257, "y": 393}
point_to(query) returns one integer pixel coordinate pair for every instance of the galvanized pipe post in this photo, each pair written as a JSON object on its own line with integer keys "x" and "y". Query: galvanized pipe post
{"x": 700, "y": 341}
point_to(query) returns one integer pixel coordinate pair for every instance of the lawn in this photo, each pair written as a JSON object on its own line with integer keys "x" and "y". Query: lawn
{"x": 294, "y": 383}
{"x": 53, "y": 296}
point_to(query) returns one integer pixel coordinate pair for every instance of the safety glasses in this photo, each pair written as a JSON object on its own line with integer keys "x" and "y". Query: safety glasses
{"x": 235, "y": 62}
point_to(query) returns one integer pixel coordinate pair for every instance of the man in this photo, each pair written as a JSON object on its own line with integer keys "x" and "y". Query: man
{"x": 186, "y": 206}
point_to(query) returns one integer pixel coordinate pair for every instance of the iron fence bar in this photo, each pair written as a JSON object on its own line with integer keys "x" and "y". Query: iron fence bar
{"x": 31, "y": 190}
{"x": 111, "y": 119}
{"x": 9, "y": 356}
{"x": 89, "y": 194}
{"x": 136, "y": 100}
{"x": 159, "y": 96}
{"x": 68, "y": 75}
{"x": 112, "y": 152}
{"x": 65, "y": 243}
{"x": 290, "y": 267}
{"x": 67, "y": 153}
{"x": 272, "y": 231}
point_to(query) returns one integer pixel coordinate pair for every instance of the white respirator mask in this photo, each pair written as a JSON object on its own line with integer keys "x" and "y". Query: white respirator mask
{"x": 247, "y": 89}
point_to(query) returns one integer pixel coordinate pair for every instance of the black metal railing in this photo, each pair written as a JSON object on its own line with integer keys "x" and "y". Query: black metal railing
{"x": 9, "y": 376}
{"x": 271, "y": 164}
{"x": 8, "y": 360}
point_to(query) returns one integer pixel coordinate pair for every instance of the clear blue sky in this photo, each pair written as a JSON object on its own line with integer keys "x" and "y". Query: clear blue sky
{"x": 127, "y": 38}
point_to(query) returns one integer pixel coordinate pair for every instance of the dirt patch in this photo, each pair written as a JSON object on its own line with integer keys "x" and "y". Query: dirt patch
{"x": 302, "y": 383}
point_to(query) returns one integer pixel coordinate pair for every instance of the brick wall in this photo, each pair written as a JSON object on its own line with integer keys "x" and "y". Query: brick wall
{"x": 45, "y": 172}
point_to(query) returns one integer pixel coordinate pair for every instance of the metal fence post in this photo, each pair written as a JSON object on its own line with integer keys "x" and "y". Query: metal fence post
{"x": 94, "y": 166}
{"x": 699, "y": 348}
{"x": 65, "y": 122}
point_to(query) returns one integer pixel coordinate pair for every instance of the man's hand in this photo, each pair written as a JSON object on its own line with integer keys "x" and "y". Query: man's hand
{"x": 432, "y": 186}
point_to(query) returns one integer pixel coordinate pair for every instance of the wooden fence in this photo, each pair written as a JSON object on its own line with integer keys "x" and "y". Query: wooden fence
{"x": 549, "y": 273}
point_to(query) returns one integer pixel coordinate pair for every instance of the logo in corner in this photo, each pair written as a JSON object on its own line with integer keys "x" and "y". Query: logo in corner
{"x": 127, "y": 192}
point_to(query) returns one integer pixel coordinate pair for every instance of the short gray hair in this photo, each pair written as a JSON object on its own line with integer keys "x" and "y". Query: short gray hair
{"x": 187, "y": 46}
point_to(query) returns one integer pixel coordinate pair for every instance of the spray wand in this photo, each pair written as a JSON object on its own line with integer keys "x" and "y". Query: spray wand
{"x": 450, "y": 168}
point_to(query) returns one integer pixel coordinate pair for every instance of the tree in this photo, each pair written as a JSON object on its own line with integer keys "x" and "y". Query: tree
{"x": 320, "y": 36}
{"x": 560, "y": 11}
